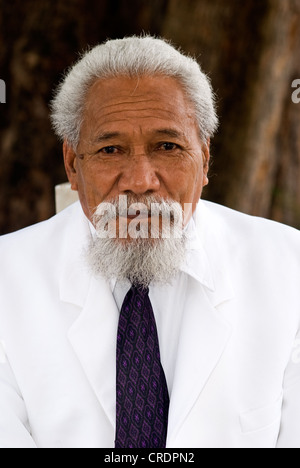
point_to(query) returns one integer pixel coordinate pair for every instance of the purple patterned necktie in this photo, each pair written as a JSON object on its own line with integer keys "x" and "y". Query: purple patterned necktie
{"x": 142, "y": 393}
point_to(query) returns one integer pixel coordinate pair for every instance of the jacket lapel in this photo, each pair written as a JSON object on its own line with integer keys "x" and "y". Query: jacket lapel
{"x": 91, "y": 338}
{"x": 205, "y": 329}
{"x": 204, "y": 336}
{"x": 95, "y": 316}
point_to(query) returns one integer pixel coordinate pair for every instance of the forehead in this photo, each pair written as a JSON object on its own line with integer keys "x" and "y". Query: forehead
{"x": 149, "y": 100}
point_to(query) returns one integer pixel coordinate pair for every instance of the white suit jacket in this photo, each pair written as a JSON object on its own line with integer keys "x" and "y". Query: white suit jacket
{"x": 237, "y": 380}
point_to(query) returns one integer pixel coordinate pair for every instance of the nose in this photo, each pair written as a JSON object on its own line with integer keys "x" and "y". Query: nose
{"x": 139, "y": 176}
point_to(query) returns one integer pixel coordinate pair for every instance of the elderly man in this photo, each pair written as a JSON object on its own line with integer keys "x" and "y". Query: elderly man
{"x": 142, "y": 316}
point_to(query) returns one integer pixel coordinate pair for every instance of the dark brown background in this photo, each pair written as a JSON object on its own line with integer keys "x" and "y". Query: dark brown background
{"x": 250, "y": 48}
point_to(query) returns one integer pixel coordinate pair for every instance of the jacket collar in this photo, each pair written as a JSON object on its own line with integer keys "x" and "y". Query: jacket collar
{"x": 205, "y": 256}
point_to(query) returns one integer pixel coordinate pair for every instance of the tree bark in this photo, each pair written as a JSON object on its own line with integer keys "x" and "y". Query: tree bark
{"x": 252, "y": 54}
{"x": 250, "y": 50}
{"x": 38, "y": 41}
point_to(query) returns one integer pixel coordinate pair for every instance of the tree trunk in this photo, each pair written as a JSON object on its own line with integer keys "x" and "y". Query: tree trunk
{"x": 250, "y": 49}
{"x": 38, "y": 40}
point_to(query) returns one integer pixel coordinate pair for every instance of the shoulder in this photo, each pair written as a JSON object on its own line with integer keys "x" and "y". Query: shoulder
{"x": 41, "y": 231}
{"x": 239, "y": 224}
{"x": 239, "y": 235}
{"x": 44, "y": 240}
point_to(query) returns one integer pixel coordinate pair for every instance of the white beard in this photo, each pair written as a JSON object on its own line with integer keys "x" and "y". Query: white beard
{"x": 142, "y": 259}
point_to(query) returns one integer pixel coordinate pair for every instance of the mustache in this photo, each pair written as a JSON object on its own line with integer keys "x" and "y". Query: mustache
{"x": 166, "y": 218}
{"x": 146, "y": 205}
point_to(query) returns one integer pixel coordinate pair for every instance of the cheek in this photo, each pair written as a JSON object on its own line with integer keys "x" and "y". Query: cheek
{"x": 90, "y": 177}
{"x": 88, "y": 187}
{"x": 187, "y": 178}
{"x": 98, "y": 182}
{"x": 199, "y": 180}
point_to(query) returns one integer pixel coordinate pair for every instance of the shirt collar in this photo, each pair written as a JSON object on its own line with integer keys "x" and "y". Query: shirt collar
{"x": 196, "y": 263}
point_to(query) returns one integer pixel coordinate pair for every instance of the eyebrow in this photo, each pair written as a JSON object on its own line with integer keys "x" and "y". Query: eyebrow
{"x": 106, "y": 136}
{"x": 176, "y": 137}
{"x": 169, "y": 132}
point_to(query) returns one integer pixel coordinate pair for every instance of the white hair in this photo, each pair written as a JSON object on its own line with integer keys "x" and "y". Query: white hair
{"x": 133, "y": 57}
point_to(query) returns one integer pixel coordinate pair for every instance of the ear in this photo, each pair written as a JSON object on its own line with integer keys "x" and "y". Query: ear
{"x": 70, "y": 161}
{"x": 206, "y": 159}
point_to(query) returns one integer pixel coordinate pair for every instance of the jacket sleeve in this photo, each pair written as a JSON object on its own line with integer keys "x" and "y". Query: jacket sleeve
{"x": 289, "y": 436}
{"x": 14, "y": 427}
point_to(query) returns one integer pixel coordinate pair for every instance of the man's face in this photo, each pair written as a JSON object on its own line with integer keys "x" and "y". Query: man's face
{"x": 139, "y": 137}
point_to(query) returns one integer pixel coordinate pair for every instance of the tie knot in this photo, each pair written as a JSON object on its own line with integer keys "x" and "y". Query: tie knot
{"x": 143, "y": 290}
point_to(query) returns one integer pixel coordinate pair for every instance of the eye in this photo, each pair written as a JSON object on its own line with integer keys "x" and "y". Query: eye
{"x": 108, "y": 150}
{"x": 167, "y": 146}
